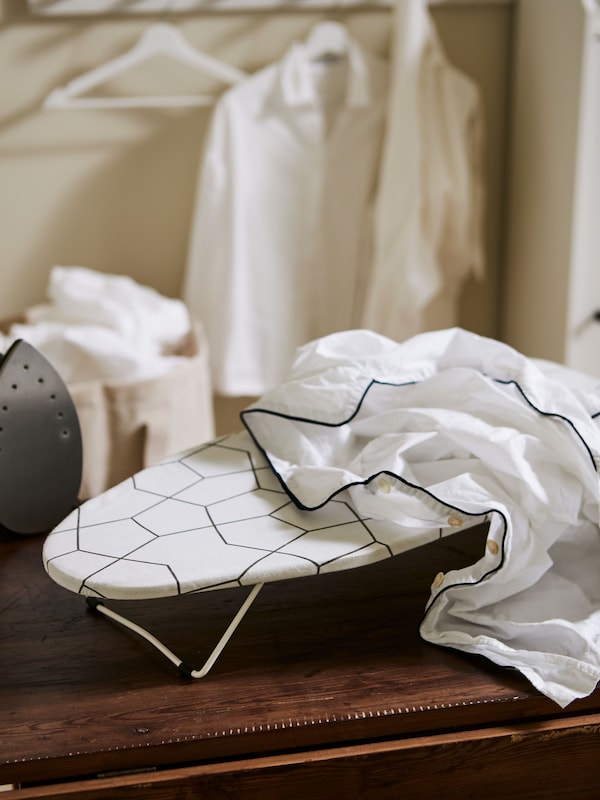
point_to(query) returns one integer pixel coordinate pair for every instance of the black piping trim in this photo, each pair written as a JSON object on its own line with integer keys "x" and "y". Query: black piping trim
{"x": 297, "y": 418}
{"x": 292, "y": 417}
{"x": 485, "y": 575}
{"x": 407, "y": 483}
{"x": 549, "y": 414}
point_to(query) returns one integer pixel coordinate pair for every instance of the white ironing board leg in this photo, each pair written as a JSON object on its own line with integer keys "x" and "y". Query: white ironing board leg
{"x": 98, "y": 605}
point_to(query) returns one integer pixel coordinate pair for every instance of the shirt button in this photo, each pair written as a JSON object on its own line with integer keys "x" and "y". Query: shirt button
{"x": 492, "y": 546}
{"x": 455, "y": 521}
{"x": 438, "y": 580}
{"x": 384, "y": 486}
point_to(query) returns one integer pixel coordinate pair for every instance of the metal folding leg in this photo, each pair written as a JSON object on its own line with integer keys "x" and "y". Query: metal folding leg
{"x": 98, "y": 605}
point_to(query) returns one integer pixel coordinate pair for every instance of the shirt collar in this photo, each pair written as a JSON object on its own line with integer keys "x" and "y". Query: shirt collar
{"x": 296, "y": 83}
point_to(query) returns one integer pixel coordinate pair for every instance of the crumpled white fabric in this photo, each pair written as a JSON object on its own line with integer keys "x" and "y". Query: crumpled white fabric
{"x": 442, "y": 429}
{"x": 98, "y": 326}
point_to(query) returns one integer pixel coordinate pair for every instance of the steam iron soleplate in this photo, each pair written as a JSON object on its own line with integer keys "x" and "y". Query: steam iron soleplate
{"x": 40, "y": 443}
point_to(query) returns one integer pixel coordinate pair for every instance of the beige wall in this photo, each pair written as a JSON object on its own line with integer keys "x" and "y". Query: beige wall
{"x": 113, "y": 190}
{"x": 550, "y": 281}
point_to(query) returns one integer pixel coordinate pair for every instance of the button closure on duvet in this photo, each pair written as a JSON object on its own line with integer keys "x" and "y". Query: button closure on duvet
{"x": 492, "y": 547}
{"x": 384, "y": 486}
{"x": 455, "y": 521}
{"x": 438, "y": 580}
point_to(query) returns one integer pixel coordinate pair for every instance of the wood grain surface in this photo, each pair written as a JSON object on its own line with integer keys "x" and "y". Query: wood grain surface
{"x": 334, "y": 661}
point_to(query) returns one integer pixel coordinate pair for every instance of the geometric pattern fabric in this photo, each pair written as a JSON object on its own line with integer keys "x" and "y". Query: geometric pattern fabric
{"x": 211, "y": 517}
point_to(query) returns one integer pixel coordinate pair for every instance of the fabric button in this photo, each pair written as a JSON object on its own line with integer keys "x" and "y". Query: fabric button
{"x": 438, "y": 580}
{"x": 384, "y": 486}
{"x": 455, "y": 521}
{"x": 492, "y": 546}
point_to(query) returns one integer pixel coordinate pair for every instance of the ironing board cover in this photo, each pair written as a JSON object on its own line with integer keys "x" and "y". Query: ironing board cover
{"x": 211, "y": 517}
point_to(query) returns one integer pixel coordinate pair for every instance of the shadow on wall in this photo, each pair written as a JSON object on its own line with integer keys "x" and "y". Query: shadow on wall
{"x": 114, "y": 206}
{"x": 114, "y": 190}
{"x": 110, "y": 190}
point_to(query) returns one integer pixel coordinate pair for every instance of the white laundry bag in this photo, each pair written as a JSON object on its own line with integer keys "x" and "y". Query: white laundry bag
{"x": 128, "y": 425}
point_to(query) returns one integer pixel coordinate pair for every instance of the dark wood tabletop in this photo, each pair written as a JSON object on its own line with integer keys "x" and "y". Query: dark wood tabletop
{"x": 317, "y": 662}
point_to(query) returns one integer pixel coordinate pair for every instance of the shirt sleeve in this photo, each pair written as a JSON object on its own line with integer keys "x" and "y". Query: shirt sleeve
{"x": 452, "y": 174}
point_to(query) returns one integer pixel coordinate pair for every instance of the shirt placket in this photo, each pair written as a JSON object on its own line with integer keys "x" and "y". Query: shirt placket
{"x": 314, "y": 198}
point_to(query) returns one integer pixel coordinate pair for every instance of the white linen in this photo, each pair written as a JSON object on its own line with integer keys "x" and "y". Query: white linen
{"x": 315, "y": 213}
{"x": 428, "y": 220}
{"x": 282, "y": 223}
{"x": 438, "y": 431}
{"x": 98, "y": 326}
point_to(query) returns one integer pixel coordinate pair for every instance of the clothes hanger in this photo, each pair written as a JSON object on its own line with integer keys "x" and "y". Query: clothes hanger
{"x": 327, "y": 41}
{"x": 160, "y": 38}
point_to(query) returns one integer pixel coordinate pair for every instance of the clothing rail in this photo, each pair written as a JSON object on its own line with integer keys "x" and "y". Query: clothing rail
{"x": 90, "y": 7}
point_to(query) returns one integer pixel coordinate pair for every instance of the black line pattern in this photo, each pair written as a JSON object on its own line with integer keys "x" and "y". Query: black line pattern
{"x": 209, "y": 518}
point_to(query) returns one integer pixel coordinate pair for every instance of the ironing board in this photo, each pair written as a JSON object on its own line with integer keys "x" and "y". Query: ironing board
{"x": 209, "y": 518}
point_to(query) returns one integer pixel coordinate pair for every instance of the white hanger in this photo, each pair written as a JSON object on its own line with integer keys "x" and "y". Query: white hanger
{"x": 160, "y": 38}
{"x": 327, "y": 41}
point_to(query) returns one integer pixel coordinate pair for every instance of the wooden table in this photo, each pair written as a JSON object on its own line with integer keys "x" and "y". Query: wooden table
{"x": 325, "y": 691}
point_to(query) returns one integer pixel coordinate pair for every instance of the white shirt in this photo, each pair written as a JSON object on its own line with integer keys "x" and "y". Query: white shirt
{"x": 278, "y": 242}
{"x": 447, "y": 429}
{"x": 285, "y": 246}
{"x": 428, "y": 222}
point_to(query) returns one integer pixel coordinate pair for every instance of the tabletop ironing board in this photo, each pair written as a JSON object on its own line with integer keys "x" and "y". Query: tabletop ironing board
{"x": 211, "y": 517}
